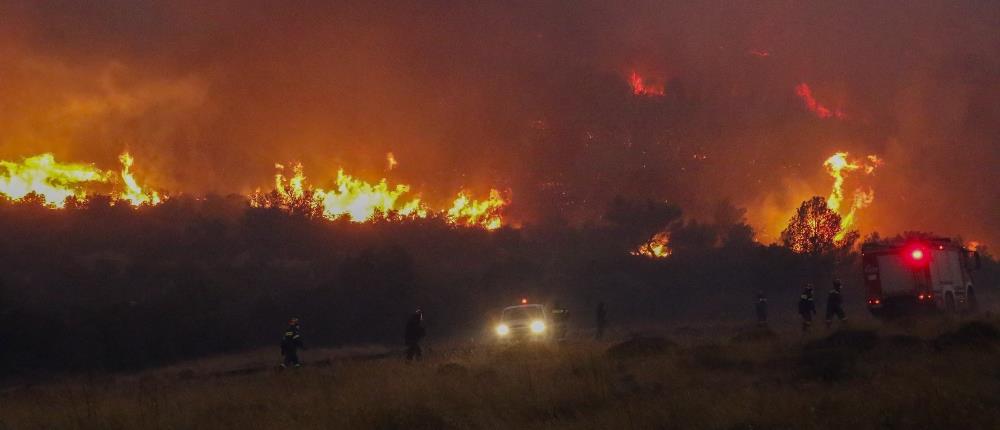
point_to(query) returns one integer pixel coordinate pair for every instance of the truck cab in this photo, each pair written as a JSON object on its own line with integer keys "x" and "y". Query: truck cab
{"x": 524, "y": 322}
{"x": 919, "y": 275}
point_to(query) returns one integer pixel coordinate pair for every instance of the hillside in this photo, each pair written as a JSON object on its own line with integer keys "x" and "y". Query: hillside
{"x": 932, "y": 374}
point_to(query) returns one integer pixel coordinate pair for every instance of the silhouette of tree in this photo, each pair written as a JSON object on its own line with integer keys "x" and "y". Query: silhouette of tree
{"x": 813, "y": 229}
{"x": 873, "y": 238}
{"x": 123, "y": 288}
{"x": 637, "y": 220}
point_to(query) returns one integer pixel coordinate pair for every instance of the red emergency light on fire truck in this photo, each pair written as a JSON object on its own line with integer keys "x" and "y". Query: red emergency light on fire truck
{"x": 919, "y": 274}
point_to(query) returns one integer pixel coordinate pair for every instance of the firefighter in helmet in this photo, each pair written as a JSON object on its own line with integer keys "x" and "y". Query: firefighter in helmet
{"x": 560, "y": 319}
{"x": 601, "y": 318}
{"x": 835, "y": 305}
{"x": 414, "y": 334}
{"x": 291, "y": 343}
{"x": 807, "y": 307}
{"x": 761, "y": 308}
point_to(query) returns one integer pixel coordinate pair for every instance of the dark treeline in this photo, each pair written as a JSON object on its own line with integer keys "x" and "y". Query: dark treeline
{"x": 102, "y": 287}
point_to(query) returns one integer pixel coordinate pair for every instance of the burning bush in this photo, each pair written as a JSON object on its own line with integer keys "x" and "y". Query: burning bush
{"x": 815, "y": 228}
{"x": 359, "y": 201}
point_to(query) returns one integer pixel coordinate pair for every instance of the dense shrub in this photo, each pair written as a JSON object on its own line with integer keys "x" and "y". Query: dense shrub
{"x": 113, "y": 287}
{"x": 641, "y": 346}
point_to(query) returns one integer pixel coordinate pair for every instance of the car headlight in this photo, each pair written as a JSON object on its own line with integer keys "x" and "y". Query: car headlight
{"x": 503, "y": 330}
{"x": 537, "y": 326}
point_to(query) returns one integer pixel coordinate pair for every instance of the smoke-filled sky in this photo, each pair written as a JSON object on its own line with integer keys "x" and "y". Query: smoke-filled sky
{"x": 529, "y": 96}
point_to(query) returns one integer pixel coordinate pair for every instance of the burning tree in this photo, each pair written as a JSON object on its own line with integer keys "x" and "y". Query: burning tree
{"x": 816, "y": 228}
{"x": 657, "y": 247}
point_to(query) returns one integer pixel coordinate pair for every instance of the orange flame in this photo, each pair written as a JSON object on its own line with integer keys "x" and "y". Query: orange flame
{"x": 55, "y": 182}
{"x": 658, "y": 246}
{"x": 642, "y": 87}
{"x": 360, "y": 201}
{"x": 468, "y": 212}
{"x": 805, "y": 93}
{"x": 838, "y": 166}
{"x": 390, "y": 161}
{"x": 48, "y": 178}
{"x": 133, "y": 192}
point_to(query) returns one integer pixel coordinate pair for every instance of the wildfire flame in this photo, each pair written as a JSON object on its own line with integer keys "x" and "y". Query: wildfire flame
{"x": 133, "y": 191}
{"x": 805, "y": 93}
{"x": 642, "y": 87}
{"x": 359, "y": 201}
{"x": 390, "y": 161}
{"x": 658, "y": 246}
{"x": 468, "y": 212}
{"x": 839, "y": 166}
{"x": 55, "y": 182}
{"x": 48, "y": 178}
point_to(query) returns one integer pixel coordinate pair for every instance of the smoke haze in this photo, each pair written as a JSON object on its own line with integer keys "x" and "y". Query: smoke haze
{"x": 533, "y": 97}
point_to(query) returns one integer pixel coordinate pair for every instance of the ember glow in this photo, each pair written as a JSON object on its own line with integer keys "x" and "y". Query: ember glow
{"x": 813, "y": 229}
{"x": 643, "y": 87}
{"x": 658, "y": 246}
{"x": 390, "y": 162}
{"x": 805, "y": 93}
{"x": 359, "y": 201}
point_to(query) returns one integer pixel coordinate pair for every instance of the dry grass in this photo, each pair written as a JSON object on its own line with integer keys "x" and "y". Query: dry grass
{"x": 904, "y": 380}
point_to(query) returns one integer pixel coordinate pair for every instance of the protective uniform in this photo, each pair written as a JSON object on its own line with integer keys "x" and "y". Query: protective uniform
{"x": 835, "y": 305}
{"x": 601, "y": 318}
{"x": 291, "y": 342}
{"x": 414, "y": 334}
{"x": 560, "y": 318}
{"x": 761, "y": 308}
{"x": 807, "y": 307}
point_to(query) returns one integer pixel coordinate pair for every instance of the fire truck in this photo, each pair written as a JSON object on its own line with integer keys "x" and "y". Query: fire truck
{"x": 927, "y": 274}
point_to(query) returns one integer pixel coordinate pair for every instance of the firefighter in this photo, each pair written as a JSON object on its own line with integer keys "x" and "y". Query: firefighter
{"x": 414, "y": 334}
{"x": 290, "y": 345}
{"x": 560, "y": 318}
{"x": 807, "y": 307}
{"x": 601, "y": 319}
{"x": 835, "y": 305}
{"x": 761, "y": 308}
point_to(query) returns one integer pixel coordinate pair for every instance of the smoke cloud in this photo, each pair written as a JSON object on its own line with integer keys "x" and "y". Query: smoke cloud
{"x": 534, "y": 97}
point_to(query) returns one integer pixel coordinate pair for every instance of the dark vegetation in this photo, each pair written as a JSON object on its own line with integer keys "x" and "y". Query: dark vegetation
{"x": 933, "y": 374}
{"x": 101, "y": 287}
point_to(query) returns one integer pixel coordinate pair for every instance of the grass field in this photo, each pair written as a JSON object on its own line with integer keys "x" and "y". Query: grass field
{"x": 931, "y": 375}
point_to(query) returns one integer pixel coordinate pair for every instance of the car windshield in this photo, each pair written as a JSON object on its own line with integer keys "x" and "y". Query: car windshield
{"x": 525, "y": 313}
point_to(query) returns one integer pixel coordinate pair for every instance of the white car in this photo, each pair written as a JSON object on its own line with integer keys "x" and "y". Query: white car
{"x": 526, "y": 322}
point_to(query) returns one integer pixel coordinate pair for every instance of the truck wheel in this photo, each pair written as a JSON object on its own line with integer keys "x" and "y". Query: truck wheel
{"x": 949, "y": 303}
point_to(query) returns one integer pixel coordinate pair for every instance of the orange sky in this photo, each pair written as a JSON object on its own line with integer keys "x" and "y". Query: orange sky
{"x": 534, "y": 98}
